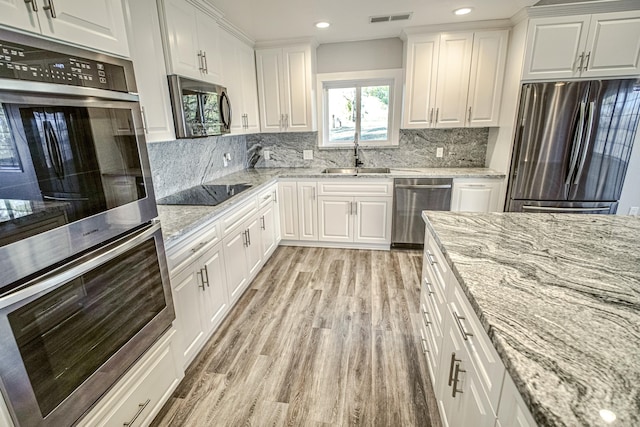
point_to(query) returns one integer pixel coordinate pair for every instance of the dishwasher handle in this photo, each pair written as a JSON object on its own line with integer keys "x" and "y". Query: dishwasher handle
{"x": 419, "y": 186}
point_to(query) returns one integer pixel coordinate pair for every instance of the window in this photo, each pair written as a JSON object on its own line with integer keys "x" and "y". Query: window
{"x": 359, "y": 106}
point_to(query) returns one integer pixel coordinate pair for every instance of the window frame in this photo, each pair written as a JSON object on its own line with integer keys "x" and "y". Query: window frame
{"x": 359, "y": 79}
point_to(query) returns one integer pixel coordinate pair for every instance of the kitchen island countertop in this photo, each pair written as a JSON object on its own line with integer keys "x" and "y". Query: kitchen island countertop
{"x": 180, "y": 220}
{"x": 559, "y": 296}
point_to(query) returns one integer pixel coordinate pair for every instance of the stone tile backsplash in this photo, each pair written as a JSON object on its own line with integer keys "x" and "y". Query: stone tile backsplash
{"x": 184, "y": 163}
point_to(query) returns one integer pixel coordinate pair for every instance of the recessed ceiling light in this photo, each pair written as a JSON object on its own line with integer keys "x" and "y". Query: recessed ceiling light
{"x": 462, "y": 11}
{"x": 322, "y": 24}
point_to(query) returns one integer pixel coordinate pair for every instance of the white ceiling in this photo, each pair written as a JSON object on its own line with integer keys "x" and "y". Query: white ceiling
{"x": 264, "y": 20}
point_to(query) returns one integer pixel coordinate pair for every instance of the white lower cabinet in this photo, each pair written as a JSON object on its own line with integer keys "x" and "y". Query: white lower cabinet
{"x": 476, "y": 195}
{"x": 354, "y": 219}
{"x": 288, "y": 192}
{"x": 308, "y": 210}
{"x": 138, "y": 397}
{"x": 268, "y": 225}
{"x": 469, "y": 379}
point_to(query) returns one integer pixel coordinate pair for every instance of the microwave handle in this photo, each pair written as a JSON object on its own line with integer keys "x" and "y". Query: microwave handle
{"x": 225, "y": 105}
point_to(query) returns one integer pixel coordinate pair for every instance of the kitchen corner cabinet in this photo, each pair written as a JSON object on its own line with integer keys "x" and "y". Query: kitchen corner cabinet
{"x": 286, "y": 88}
{"x": 454, "y": 79}
{"x": 476, "y": 195}
{"x": 583, "y": 46}
{"x": 191, "y": 39}
{"x": 269, "y": 217}
{"x": 145, "y": 45}
{"x": 355, "y": 212}
{"x": 288, "y": 193}
{"x": 238, "y": 67}
{"x": 97, "y": 25}
{"x": 140, "y": 394}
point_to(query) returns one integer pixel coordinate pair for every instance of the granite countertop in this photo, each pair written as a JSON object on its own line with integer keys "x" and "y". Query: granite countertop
{"x": 559, "y": 296}
{"x": 180, "y": 220}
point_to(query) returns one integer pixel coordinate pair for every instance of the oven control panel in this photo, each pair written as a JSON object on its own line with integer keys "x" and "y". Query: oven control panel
{"x": 20, "y": 62}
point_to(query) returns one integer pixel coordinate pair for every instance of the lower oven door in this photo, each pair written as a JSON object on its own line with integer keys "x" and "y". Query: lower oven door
{"x": 68, "y": 336}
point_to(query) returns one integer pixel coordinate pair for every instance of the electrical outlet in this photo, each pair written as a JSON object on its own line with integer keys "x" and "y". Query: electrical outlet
{"x": 307, "y": 154}
{"x": 633, "y": 211}
{"x": 267, "y": 154}
{"x": 225, "y": 159}
{"x": 439, "y": 152}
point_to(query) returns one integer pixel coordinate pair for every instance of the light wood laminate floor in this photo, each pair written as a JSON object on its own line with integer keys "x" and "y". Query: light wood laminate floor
{"x": 322, "y": 337}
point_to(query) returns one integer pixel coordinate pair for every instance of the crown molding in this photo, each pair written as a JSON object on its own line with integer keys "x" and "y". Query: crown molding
{"x": 207, "y": 7}
{"x": 236, "y": 32}
{"x": 583, "y": 8}
{"x": 262, "y": 44}
{"x": 493, "y": 24}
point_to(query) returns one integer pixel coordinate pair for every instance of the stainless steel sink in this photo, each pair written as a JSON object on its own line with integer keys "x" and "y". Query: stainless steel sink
{"x": 355, "y": 171}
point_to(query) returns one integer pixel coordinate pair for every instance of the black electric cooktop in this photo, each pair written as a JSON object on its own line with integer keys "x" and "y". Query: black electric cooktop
{"x": 207, "y": 195}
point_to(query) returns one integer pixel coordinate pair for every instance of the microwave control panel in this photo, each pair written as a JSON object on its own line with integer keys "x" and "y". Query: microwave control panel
{"x": 20, "y": 62}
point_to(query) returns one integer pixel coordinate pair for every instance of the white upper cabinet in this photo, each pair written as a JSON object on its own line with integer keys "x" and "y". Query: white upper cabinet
{"x": 239, "y": 77}
{"x": 583, "y": 46}
{"x": 191, "y": 38}
{"x": 285, "y": 88}
{"x": 145, "y": 45}
{"x": 454, "y": 79}
{"x": 97, "y": 24}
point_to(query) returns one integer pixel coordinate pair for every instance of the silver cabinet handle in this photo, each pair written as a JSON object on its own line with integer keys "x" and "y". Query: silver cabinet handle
{"x": 469, "y": 119}
{"x": 464, "y": 333}
{"x": 428, "y": 286}
{"x": 201, "y": 284}
{"x": 431, "y": 116}
{"x": 248, "y": 237}
{"x": 34, "y": 5}
{"x": 350, "y": 208}
{"x": 198, "y": 246}
{"x": 204, "y": 62}
{"x": 425, "y": 349}
{"x": 205, "y": 275}
{"x": 200, "y": 61}
{"x": 275, "y": 197}
{"x": 135, "y": 417}
{"x": 281, "y": 121}
{"x": 586, "y": 65}
{"x": 267, "y": 197}
{"x": 425, "y": 315}
{"x": 437, "y": 114}
{"x": 432, "y": 259}
{"x": 453, "y": 362}
{"x": 454, "y": 388}
{"x": 581, "y": 57}
{"x": 244, "y": 238}
{"x": 51, "y": 8}
{"x": 262, "y": 221}
{"x": 144, "y": 121}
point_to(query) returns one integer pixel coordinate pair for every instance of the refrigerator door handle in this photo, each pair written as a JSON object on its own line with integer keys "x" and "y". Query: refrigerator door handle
{"x": 577, "y": 142}
{"x": 592, "y": 107}
{"x": 554, "y": 209}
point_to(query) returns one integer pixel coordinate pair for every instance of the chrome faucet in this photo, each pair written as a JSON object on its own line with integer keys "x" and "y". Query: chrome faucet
{"x": 356, "y": 153}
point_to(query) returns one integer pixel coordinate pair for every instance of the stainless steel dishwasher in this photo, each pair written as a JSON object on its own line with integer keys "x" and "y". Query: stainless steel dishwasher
{"x": 411, "y": 197}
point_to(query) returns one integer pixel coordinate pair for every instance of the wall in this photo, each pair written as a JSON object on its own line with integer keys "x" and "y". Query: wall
{"x": 417, "y": 149}
{"x": 381, "y": 54}
{"x": 183, "y": 163}
{"x": 631, "y": 189}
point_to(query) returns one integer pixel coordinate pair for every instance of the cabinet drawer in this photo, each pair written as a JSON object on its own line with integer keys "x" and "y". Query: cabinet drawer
{"x": 237, "y": 216}
{"x": 192, "y": 246}
{"x": 267, "y": 196}
{"x": 435, "y": 271}
{"x": 359, "y": 188}
{"x": 435, "y": 305}
{"x": 488, "y": 365}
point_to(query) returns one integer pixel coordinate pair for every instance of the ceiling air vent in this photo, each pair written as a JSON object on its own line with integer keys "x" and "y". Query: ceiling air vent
{"x": 390, "y": 18}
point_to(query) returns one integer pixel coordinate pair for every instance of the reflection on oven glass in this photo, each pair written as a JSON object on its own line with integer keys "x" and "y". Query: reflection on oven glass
{"x": 66, "y": 335}
{"x": 9, "y": 157}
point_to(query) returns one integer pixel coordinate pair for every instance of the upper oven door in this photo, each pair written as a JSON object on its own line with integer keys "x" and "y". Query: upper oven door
{"x": 74, "y": 172}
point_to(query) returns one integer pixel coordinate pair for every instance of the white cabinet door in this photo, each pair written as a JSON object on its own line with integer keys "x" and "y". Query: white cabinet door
{"x": 513, "y": 412}
{"x": 288, "y": 201}
{"x": 20, "y": 14}
{"x": 335, "y": 218}
{"x": 486, "y": 78}
{"x": 231, "y": 78}
{"x": 555, "y": 47}
{"x": 613, "y": 45}
{"x": 236, "y": 267}
{"x": 297, "y": 75}
{"x": 98, "y": 24}
{"x": 207, "y": 28}
{"x": 453, "y": 353}
{"x": 421, "y": 73}
{"x": 268, "y": 231}
{"x": 247, "y": 64}
{"x": 254, "y": 247}
{"x": 476, "y": 195}
{"x": 269, "y": 67}
{"x": 145, "y": 45}
{"x": 454, "y": 65}
{"x": 187, "y": 294}
{"x": 182, "y": 35}
{"x": 307, "y": 211}
{"x": 216, "y": 298}
{"x": 372, "y": 218}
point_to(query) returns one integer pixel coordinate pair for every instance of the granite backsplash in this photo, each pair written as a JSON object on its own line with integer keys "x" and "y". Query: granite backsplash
{"x": 183, "y": 163}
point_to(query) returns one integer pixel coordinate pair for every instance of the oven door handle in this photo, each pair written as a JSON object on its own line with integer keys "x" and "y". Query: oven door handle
{"x": 65, "y": 273}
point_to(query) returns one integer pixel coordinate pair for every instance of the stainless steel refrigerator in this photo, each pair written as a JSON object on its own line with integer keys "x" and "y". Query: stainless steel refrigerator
{"x": 572, "y": 145}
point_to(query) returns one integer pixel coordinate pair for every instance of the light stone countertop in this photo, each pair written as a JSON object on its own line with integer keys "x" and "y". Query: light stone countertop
{"x": 179, "y": 220}
{"x": 559, "y": 296}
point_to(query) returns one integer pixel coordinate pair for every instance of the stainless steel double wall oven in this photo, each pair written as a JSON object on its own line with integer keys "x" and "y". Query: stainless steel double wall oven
{"x": 84, "y": 287}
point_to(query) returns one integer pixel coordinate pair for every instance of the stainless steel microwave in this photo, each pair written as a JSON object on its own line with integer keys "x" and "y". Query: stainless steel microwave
{"x": 199, "y": 109}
